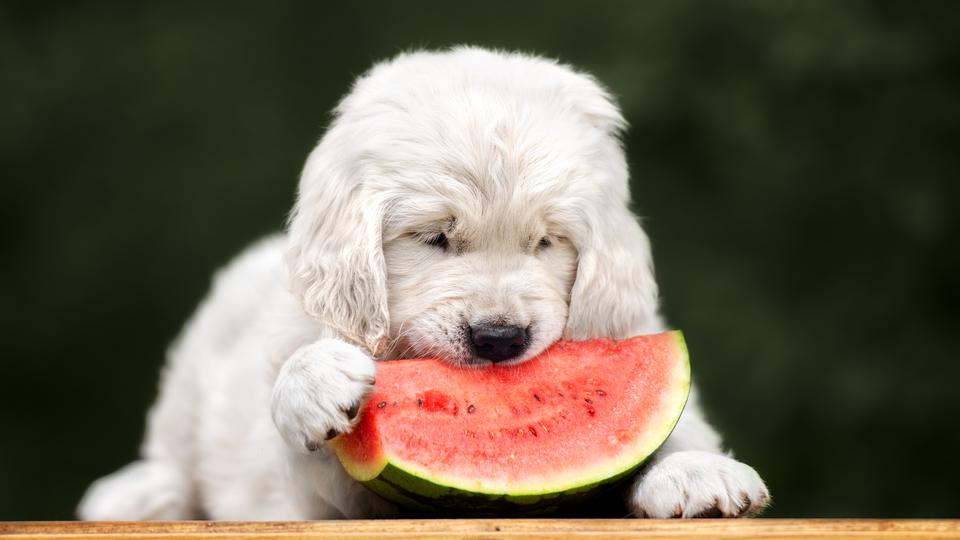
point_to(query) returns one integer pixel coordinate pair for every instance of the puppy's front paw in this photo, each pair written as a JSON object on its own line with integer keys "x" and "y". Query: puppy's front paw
{"x": 698, "y": 484}
{"x": 319, "y": 391}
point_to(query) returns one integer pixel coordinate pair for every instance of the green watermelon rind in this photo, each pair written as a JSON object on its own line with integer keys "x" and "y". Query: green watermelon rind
{"x": 411, "y": 486}
{"x": 479, "y": 504}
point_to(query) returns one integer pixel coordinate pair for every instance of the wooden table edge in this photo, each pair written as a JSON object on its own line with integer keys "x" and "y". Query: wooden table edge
{"x": 491, "y": 528}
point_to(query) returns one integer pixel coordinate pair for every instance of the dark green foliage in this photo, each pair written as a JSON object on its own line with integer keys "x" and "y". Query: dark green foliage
{"x": 796, "y": 164}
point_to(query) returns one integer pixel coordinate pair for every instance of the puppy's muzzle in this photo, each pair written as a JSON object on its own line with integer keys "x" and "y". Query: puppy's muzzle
{"x": 498, "y": 343}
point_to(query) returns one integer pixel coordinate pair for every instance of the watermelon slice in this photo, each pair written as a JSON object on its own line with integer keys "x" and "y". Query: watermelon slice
{"x": 517, "y": 439}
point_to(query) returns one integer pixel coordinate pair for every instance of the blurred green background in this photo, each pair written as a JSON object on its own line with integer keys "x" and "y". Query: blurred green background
{"x": 796, "y": 164}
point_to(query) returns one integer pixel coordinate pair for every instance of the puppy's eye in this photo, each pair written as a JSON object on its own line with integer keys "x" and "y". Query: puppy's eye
{"x": 439, "y": 240}
{"x": 544, "y": 243}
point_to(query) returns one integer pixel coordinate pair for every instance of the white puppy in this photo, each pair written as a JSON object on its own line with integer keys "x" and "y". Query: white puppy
{"x": 465, "y": 204}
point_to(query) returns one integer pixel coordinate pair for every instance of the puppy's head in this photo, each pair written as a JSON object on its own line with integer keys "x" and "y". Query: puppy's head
{"x": 471, "y": 206}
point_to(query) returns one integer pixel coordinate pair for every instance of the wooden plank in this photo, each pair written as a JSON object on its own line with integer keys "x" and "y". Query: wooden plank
{"x": 780, "y": 529}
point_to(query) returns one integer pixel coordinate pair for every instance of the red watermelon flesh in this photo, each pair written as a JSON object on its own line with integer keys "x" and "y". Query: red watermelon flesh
{"x": 520, "y": 437}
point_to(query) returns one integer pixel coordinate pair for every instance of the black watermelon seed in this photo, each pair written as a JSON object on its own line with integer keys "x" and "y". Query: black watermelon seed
{"x": 588, "y": 400}
{"x": 601, "y": 392}
{"x": 537, "y": 397}
{"x": 419, "y": 402}
{"x": 382, "y": 404}
{"x": 470, "y": 409}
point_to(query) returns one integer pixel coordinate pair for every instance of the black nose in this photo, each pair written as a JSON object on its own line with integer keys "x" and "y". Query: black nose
{"x": 497, "y": 342}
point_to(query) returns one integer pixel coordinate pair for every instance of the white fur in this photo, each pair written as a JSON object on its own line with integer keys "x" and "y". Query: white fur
{"x": 503, "y": 154}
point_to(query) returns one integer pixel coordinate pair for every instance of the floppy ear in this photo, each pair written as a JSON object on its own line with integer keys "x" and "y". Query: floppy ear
{"x": 335, "y": 253}
{"x": 614, "y": 295}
